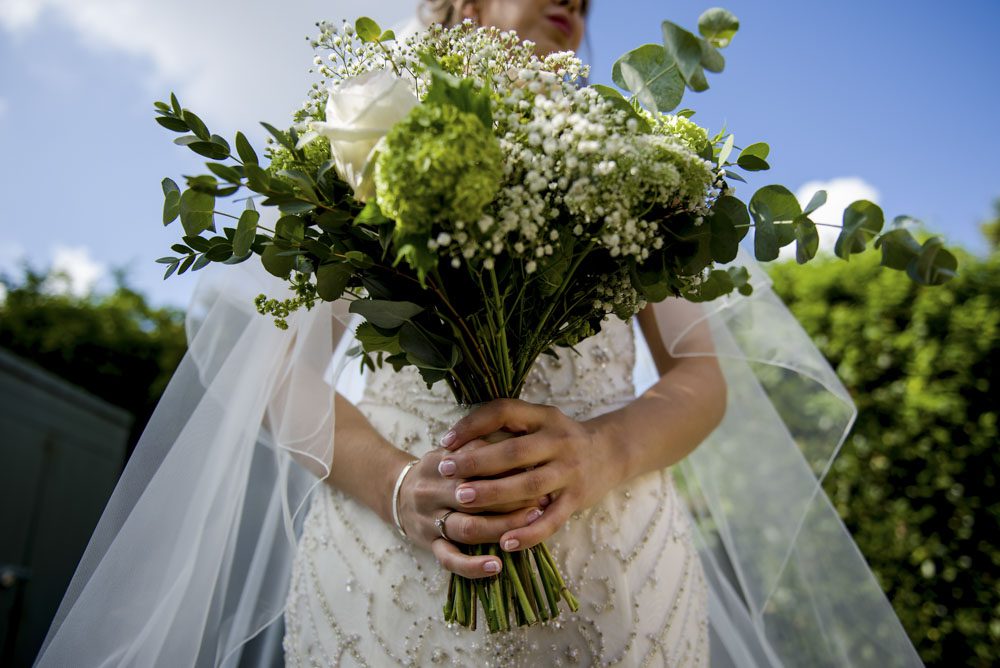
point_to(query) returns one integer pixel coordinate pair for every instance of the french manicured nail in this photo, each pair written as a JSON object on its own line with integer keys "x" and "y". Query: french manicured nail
{"x": 448, "y": 438}
{"x": 446, "y": 467}
{"x": 465, "y": 495}
{"x": 511, "y": 544}
{"x": 534, "y": 515}
{"x": 492, "y": 567}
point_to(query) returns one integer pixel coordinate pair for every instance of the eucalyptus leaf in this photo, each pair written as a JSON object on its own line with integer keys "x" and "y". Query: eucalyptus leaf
{"x": 726, "y": 150}
{"x": 862, "y": 221}
{"x": 899, "y": 248}
{"x": 290, "y": 228}
{"x": 196, "y": 210}
{"x": 171, "y": 206}
{"x": 168, "y": 186}
{"x": 770, "y": 205}
{"x": 387, "y": 36}
{"x": 752, "y": 163}
{"x": 245, "y": 150}
{"x": 170, "y": 270}
{"x": 225, "y": 172}
{"x": 652, "y": 75}
{"x": 935, "y": 265}
{"x": 711, "y": 59}
{"x": 282, "y": 137}
{"x": 209, "y": 150}
{"x": 221, "y": 141}
{"x": 425, "y": 349}
{"x": 729, "y": 222}
{"x": 384, "y": 313}
{"x": 200, "y": 263}
{"x": 178, "y": 111}
{"x": 186, "y": 264}
{"x": 275, "y": 263}
{"x": 685, "y": 49}
{"x": 331, "y": 280}
{"x": 257, "y": 178}
{"x": 816, "y": 201}
{"x": 172, "y": 124}
{"x": 718, "y": 26}
{"x": 246, "y": 230}
{"x": 197, "y": 126}
{"x": 806, "y": 239}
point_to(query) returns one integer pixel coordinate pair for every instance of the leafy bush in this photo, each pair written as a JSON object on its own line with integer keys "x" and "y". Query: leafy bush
{"x": 116, "y": 345}
{"x": 916, "y": 480}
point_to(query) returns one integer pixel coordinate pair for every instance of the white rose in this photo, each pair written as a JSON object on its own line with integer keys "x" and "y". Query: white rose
{"x": 359, "y": 113}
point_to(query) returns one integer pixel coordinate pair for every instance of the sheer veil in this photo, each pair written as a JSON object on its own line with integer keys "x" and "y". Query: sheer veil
{"x": 190, "y": 562}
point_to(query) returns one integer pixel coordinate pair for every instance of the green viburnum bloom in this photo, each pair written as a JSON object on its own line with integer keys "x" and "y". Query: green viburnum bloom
{"x": 438, "y": 164}
{"x": 687, "y": 131}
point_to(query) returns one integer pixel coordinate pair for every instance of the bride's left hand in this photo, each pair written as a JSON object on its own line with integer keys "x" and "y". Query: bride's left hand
{"x": 573, "y": 462}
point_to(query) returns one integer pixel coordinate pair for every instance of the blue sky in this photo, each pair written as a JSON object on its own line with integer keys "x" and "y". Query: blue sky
{"x": 892, "y": 101}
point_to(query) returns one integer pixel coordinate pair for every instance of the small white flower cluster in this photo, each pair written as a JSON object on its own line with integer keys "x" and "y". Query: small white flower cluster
{"x": 618, "y": 295}
{"x": 576, "y": 167}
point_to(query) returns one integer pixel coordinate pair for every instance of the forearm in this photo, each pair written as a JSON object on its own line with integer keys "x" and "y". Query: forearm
{"x": 365, "y": 465}
{"x": 668, "y": 421}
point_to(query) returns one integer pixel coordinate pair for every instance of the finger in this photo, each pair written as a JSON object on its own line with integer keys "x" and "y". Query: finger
{"x": 525, "y": 486}
{"x": 479, "y": 529}
{"x": 452, "y": 559}
{"x": 493, "y": 459}
{"x": 514, "y": 415}
{"x": 552, "y": 520}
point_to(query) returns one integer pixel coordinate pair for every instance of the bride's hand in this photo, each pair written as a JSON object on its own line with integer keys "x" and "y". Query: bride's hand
{"x": 570, "y": 461}
{"x": 425, "y": 496}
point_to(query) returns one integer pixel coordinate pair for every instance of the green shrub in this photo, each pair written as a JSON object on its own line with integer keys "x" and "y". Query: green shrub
{"x": 916, "y": 481}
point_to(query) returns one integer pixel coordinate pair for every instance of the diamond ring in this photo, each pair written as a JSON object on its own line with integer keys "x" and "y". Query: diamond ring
{"x": 439, "y": 523}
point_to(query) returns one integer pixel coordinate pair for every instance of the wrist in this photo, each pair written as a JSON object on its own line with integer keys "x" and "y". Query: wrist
{"x": 608, "y": 436}
{"x": 387, "y": 485}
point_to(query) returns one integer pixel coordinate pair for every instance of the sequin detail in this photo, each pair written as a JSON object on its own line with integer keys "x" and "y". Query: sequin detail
{"x": 360, "y": 596}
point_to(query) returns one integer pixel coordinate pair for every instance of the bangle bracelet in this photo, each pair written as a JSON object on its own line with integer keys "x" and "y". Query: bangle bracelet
{"x": 395, "y": 497}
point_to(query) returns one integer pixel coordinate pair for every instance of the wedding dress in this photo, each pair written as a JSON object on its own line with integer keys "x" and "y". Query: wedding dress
{"x": 205, "y": 541}
{"x": 362, "y": 596}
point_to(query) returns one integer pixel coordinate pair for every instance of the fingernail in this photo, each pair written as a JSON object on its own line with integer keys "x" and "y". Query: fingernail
{"x": 544, "y": 501}
{"x": 492, "y": 567}
{"x": 446, "y": 467}
{"x": 448, "y": 438}
{"x": 465, "y": 495}
{"x": 534, "y": 515}
{"x": 511, "y": 544}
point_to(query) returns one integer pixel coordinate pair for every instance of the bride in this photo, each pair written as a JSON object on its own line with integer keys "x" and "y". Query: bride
{"x": 282, "y": 504}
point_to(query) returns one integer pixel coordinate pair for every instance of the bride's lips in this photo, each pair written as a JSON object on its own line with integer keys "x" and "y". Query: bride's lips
{"x": 562, "y": 22}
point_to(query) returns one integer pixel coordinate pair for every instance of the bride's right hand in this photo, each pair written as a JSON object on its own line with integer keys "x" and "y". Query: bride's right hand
{"x": 425, "y": 496}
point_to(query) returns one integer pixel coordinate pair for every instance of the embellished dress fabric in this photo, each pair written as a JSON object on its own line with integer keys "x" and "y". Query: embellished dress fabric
{"x": 362, "y": 596}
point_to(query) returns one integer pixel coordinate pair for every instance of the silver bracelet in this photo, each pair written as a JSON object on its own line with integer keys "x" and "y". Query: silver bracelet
{"x": 395, "y": 497}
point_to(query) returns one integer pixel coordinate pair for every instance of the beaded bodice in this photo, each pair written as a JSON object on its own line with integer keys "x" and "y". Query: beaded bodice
{"x": 593, "y": 379}
{"x": 361, "y": 596}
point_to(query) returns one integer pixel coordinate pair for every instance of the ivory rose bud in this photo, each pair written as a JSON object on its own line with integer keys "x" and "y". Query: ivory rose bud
{"x": 359, "y": 113}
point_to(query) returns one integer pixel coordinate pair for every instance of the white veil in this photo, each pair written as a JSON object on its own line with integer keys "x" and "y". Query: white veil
{"x": 191, "y": 559}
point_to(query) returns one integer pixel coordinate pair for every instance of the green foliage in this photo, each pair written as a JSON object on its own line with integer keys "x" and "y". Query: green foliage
{"x": 116, "y": 346}
{"x": 916, "y": 481}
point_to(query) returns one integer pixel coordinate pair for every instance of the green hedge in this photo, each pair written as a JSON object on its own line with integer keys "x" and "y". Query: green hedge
{"x": 916, "y": 481}
{"x": 114, "y": 345}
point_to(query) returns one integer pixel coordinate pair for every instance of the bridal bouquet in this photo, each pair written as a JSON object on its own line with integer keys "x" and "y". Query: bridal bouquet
{"x": 479, "y": 207}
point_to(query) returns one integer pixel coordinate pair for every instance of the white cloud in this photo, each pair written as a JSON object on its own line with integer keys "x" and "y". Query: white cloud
{"x": 235, "y": 62}
{"x": 74, "y": 271}
{"x": 839, "y": 193}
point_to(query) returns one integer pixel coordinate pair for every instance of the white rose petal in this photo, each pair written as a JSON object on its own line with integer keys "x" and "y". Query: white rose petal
{"x": 359, "y": 113}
